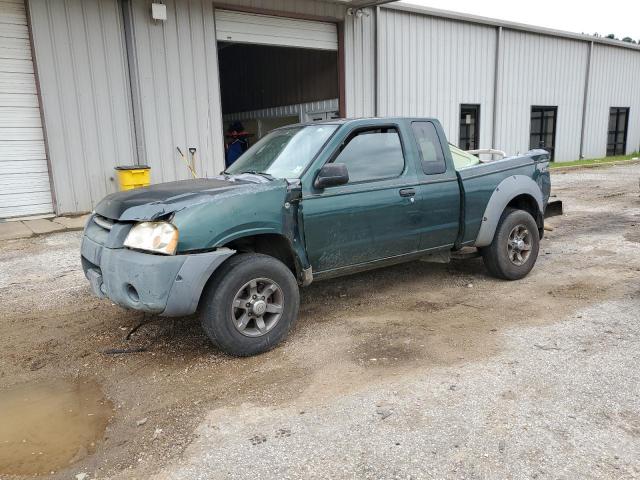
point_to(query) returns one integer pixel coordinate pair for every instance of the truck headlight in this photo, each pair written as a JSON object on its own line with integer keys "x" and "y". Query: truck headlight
{"x": 157, "y": 237}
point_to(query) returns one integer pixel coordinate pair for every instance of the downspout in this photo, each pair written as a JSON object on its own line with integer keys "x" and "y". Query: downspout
{"x": 496, "y": 87}
{"x": 585, "y": 100}
{"x": 376, "y": 66}
{"x": 134, "y": 79}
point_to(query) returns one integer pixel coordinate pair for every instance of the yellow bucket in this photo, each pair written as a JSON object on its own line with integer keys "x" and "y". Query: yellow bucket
{"x": 134, "y": 176}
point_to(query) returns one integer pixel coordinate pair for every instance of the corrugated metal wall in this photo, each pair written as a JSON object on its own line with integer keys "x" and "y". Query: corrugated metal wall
{"x": 360, "y": 61}
{"x": 614, "y": 82}
{"x": 540, "y": 70}
{"x": 175, "y": 72}
{"x": 177, "y": 79}
{"x": 429, "y": 66}
{"x": 80, "y": 53}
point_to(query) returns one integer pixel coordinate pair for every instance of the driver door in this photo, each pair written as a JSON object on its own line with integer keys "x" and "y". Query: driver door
{"x": 372, "y": 217}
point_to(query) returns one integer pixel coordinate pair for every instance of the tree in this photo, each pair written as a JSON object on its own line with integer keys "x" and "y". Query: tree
{"x": 628, "y": 40}
{"x": 611, "y": 36}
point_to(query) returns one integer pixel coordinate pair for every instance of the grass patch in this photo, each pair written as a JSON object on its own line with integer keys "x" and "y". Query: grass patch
{"x": 593, "y": 161}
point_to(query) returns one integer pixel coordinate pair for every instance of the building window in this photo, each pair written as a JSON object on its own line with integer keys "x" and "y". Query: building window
{"x": 469, "y": 127}
{"x": 617, "y": 138}
{"x": 543, "y": 128}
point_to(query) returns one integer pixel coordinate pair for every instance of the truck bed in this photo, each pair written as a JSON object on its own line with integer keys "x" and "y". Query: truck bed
{"x": 480, "y": 181}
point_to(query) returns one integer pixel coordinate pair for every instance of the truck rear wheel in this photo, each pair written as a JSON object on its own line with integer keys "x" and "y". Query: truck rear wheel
{"x": 514, "y": 249}
{"x": 250, "y": 305}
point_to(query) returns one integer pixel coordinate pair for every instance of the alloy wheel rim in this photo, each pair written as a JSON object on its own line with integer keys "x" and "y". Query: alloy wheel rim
{"x": 519, "y": 245}
{"x": 257, "y": 307}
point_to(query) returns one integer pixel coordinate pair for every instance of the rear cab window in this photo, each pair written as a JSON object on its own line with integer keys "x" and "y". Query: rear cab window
{"x": 429, "y": 147}
{"x": 372, "y": 154}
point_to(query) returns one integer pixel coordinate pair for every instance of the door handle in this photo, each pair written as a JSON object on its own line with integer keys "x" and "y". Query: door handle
{"x": 408, "y": 192}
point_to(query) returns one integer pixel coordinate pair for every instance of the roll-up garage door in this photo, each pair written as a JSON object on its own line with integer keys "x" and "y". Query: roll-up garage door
{"x": 24, "y": 176}
{"x": 243, "y": 27}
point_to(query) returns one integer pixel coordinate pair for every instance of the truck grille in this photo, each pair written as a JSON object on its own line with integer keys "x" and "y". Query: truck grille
{"x": 107, "y": 232}
{"x": 103, "y": 222}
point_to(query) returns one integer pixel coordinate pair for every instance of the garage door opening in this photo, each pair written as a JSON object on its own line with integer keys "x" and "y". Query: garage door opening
{"x": 25, "y": 188}
{"x": 274, "y": 71}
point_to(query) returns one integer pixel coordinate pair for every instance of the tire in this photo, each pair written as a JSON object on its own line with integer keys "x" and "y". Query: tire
{"x": 504, "y": 258}
{"x": 232, "y": 305}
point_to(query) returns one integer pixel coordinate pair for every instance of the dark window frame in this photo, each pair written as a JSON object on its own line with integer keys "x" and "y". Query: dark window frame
{"x": 617, "y": 111}
{"x": 542, "y": 109}
{"x": 355, "y": 132}
{"x": 442, "y": 151}
{"x": 476, "y": 136}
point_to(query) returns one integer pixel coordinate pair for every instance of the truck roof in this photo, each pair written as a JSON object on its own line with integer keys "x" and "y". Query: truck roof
{"x": 342, "y": 121}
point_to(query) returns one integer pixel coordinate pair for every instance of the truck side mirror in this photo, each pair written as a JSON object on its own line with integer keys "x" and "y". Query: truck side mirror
{"x": 332, "y": 175}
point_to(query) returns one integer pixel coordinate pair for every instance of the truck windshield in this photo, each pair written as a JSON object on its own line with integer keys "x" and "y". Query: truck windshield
{"x": 283, "y": 153}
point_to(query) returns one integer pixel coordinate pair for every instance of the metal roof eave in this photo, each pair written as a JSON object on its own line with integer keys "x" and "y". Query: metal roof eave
{"x": 360, "y": 3}
{"x": 493, "y": 22}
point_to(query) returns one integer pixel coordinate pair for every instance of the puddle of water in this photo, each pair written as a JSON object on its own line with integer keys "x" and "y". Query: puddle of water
{"x": 48, "y": 426}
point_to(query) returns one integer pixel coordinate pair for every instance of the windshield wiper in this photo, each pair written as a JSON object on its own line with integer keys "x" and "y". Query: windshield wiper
{"x": 268, "y": 176}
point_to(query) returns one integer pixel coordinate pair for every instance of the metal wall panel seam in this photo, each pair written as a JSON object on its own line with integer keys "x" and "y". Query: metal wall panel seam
{"x": 171, "y": 93}
{"x": 65, "y": 133}
{"x": 199, "y": 161}
{"x": 126, "y": 81}
{"x": 54, "y": 204}
{"x": 90, "y": 60}
{"x": 213, "y": 90}
{"x": 376, "y": 59}
{"x": 496, "y": 86}
{"x": 179, "y": 46}
{"x": 82, "y": 136}
{"x": 585, "y": 98}
{"x": 134, "y": 92}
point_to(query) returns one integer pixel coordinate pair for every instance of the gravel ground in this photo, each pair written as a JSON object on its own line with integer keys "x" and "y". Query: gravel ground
{"x": 413, "y": 371}
{"x": 560, "y": 401}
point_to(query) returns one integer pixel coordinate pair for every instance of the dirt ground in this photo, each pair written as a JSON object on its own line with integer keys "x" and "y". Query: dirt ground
{"x": 415, "y": 371}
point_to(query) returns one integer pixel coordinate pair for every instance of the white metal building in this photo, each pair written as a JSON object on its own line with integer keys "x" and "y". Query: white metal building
{"x": 86, "y": 85}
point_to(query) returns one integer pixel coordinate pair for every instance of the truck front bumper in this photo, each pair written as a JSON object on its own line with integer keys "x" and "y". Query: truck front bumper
{"x": 166, "y": 285}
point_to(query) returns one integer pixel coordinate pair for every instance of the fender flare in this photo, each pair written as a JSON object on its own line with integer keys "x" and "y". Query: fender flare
{"x": 507, "y": 190}
{"x": 186, "y": 291}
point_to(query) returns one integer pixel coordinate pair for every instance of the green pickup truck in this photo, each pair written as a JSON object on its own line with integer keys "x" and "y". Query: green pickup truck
{"x": 305, "y": 203}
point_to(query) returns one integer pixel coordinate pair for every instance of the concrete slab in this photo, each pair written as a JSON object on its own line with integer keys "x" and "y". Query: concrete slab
{"x": 43, "y": 226}
{"x": 72, "y": 223}
{"x": 12, "y": 230}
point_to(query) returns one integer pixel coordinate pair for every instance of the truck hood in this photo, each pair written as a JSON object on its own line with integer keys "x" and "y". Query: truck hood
{"x": 156, "y": 201}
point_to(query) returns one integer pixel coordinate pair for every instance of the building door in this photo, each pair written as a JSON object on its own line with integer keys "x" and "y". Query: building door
{"x": 241, "y": 27}
{"x": 543, "y": 128}
{"x": 469, "y": 127}
{"x": 617, "y": 134}
{"x": 24, "y": 175}
{"x": 374, "y": 216}
{"x": 274, "y": 67}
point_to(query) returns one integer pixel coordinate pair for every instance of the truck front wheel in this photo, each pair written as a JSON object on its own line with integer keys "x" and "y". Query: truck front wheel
{"x": 250, "y": 304}
{"x": 514, "y": 249}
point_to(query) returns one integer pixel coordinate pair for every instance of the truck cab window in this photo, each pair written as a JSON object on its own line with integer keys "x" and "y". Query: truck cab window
{"x": 429, "y": 147}
{"x": 373, "y": 155}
